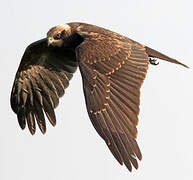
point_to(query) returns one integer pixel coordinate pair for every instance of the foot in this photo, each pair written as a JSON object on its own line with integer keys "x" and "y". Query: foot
{"x": 153, "y": 61}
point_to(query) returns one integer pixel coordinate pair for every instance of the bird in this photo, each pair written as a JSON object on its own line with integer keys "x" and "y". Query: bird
{"x": 113, "y": 68}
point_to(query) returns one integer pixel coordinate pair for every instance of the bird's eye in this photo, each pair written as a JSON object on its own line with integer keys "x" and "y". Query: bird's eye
{"x": 58, "y": 36}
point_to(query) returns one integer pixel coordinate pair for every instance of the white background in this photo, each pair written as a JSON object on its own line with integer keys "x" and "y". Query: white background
{"x": 72, "y": 149}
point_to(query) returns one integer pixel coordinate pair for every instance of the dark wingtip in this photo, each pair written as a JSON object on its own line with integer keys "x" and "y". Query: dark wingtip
{"x": 129, "y": 168}
{"x": 139, "y": 157}
{"x": 22, "y": 127}
{"x": 21, "y": 120}
{"x": 52, "y": 120}
{"x": 32, "y": 133}
{"x": 54, "y": 124}
{"x": 43, "y": 130}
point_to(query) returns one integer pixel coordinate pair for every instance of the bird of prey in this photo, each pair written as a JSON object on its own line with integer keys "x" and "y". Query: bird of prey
{"x": 113, "y": 68}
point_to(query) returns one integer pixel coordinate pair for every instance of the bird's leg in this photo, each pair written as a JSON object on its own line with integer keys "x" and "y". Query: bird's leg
{"x": 153, "y": 61}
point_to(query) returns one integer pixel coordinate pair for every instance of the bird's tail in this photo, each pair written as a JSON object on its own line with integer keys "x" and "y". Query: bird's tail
{"x": 156, "y": 54}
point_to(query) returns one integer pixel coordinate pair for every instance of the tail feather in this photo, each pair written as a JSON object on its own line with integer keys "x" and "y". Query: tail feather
{"x": 156, "y": 54}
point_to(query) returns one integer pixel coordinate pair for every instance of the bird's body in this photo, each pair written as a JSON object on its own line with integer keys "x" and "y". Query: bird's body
{"x": 113, "y": 68}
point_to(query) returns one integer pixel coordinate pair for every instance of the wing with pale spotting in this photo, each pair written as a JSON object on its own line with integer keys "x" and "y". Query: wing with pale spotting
{"x": 40, "y": 81}
{"x": 113, "y": 70}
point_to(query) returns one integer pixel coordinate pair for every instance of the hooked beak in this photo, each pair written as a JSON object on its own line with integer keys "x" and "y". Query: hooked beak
{"x": 50, "y": 41}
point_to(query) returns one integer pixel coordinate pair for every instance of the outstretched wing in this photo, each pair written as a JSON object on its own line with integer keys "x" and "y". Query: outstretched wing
{"x": 42, "y": 78}
{"x": 113, "y": 70}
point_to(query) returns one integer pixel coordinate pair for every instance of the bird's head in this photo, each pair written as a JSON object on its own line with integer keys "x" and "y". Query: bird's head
{"x": 57, "y": 35}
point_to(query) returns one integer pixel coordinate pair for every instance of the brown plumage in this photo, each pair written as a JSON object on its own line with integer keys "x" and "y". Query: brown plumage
{"x": 113, "y": 68}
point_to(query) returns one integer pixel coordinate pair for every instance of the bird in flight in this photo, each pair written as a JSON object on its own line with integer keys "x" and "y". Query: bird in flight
{"x": 113, "y": 68}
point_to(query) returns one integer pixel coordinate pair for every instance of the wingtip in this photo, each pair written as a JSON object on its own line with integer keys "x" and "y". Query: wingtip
{"x": 43, "y": 132}
{"x": 129, "y": 168}
{"x": 22, "y": 126}
{"x": 32, "y": 132}
{"x": 53, "y": 123}
{"x": 140, "y": 157}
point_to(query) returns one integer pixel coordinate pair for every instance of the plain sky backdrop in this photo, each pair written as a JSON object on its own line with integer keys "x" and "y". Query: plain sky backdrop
{"x": 73, "y": 150}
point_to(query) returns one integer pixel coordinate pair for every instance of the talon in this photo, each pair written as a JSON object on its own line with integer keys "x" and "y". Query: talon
{"x": 153, "y": 61}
